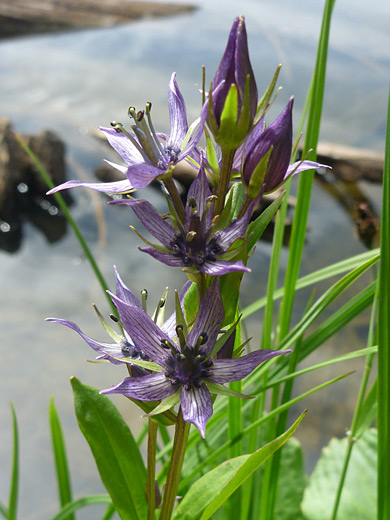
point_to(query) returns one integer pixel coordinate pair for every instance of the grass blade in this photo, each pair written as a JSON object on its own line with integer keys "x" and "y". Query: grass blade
{"x": 14, "y": 486}
{"x": 89, "y": 500}
{"x": 60, "y": 458}
{"x": 383, "y": 422}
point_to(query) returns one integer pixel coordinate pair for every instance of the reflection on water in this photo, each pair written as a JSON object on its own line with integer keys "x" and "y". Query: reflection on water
{"x": 73, "y": 82}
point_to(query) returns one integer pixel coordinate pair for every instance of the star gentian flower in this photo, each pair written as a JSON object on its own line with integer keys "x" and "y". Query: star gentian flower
{"x": 196, "y": 244}
{"x": 187, "y": 369}
{"x": 147, "y": 155}
{"x": 123, "y": 346}
{"x": 233, "y": 85}
{"x": 276, "y": 140}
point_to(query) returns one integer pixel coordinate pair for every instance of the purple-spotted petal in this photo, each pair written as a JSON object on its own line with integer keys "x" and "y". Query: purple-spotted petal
{"x": 177, "y": 114}
{"x": 153, "y": 387}
{"x": 143, "y": 331}
{"x": 112, "y": 348}
{"x": 197, "y": 406}
{"x": 209, "y": 318}
{"x": 226, "y": 370}
{"x": 112, "y": 188}
{"x": 123, "y": 292}
{"x": 219, "y": 267}
{"x": 141, "y": 175}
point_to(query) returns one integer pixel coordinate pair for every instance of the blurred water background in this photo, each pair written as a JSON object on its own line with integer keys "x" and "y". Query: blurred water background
{"x": 72, "y": 83}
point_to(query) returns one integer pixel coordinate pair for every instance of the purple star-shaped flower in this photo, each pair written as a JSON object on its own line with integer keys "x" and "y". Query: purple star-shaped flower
{"x": 147, "y": 155}
{"x": 123, "y": 346}
{"x": 187, "y": 368}
{"x": 196, "y": 244}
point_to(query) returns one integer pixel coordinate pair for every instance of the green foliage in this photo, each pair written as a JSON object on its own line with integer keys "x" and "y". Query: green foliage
{"x": 116, "y": 453}
{"x": 14, "y": 485}
{"x": 358, "y": 499}
{"x": 214, "y": 488}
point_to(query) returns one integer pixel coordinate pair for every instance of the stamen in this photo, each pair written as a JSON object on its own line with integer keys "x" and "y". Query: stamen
{"x": 190, "y": 236}
{"x": 203, "y": 337}
{"x": 192, "y": 202}
{"x": 180, "y": 335}
{"x": 140, "y": 116}
{"x": 144, "y": 295}
{"x": 114, "y": 318}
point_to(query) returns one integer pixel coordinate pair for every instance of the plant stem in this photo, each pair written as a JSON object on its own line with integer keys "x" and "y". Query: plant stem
{"x": 151, "y": 487}
{"x": 177, "y": 459}
{"x": 224, "y": 180}
{"x": 171, "y": 187}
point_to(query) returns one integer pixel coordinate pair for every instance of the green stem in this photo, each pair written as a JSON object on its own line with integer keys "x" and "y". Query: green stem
{"x": 224, "y": 180}
{"x": 177, "y": 459}
{"x": 151, "y": 474}
{"x": 171, "y": 187}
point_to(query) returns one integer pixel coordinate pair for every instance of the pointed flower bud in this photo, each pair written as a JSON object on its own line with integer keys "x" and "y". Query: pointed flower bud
{"x": 233, "y": 95}
{"x": 267, "y": 154}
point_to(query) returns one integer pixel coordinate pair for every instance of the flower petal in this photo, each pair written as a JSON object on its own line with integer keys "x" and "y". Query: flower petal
{"x": 123, "y": 292}
{"x": 151, "y": 219}
{"x": 165, "y": 258}
{"x": 209, "y": 318}
{"x": 226, "y": 370}
{"x": 177, "y": 114}
{"x": 152, "y": 387}
{"x": 197, "y": 406}
{"x": 114, "y": 349}
{"x": 143, "y": 331}
{"x": 235, "y": 230}
{"x": 123, "y": 146}
{"x": 199, "y": 191}
{"x": 141, "y": 175}
{"x": 112, "y": 188}
{"x": 219, "y": 267}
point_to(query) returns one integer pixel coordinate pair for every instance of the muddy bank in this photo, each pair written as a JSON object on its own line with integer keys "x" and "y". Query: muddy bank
{"x": 17, "y": 17}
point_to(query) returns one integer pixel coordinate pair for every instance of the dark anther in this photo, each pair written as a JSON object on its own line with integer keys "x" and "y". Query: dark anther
{"x": 204, "y": 337}
{"x": 164, "y": 344}
{"x": 197, "y": 383}
{"x": 192, "y": 202}
{"x": 140, "y": 116}
{"x": 114, "y": 318}
{"x": 162, "y": 303}
{"x": 173, "y": 382}
{"x": 149, "y": 105}
{"x": 187, "y": 387}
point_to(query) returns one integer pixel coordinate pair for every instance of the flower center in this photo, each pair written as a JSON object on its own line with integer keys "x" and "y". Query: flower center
{"x": 129, "y": 350}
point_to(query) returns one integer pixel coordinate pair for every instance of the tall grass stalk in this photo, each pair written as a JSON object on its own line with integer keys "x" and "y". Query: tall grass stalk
{"x": 383, "y": 421}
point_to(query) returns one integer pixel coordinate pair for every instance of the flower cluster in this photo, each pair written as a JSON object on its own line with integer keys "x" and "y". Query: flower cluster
{"x": 185, "y": 359}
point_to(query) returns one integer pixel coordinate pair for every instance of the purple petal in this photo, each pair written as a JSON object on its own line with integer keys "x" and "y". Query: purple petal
{"x": 123, "y": 146}
{"x": 235, "y": 230}
{"x": 301, "y": 166}
{"x": 151, "y": 219}
{"x": 190, "y": 148}
{"x": 197, "y": 406}
{"x": 165, "y": 258}
{"x": 199, "y": 191}
{"x": 124, "y": 293}
{"x": 99, "y": 347}
{"x": 209, "y": 318}
{"x": 141, "y": 175}
{"x": 112, "y": 188}
{"x": 226, "y": 370}
{"x": 219, "y": 267}
{"x": 143, "y": 331}
{"x": 177, "y": 114}
{"x": 152, "y": 387}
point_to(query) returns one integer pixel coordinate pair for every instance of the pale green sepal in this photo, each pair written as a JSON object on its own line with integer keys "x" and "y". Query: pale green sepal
{"x": 148, "y": 365}
{"x": 263, "y": 104}
{"x": 166, "y": 404}
{"x": 244, "y": 122}
{"x": 227, "y": 137}
{"x": 159, "y": 248}
{"x": 238, "y": 198}
{"x": 216, "y": 388}
{"x": 159, "y": 313}
{"x": 257, "y": 227}
{"x": 212, "y": 157}
{"x": 114, "y": 335}
{"x": 190, "y": 131}
{"x": 180, "y": 320}
{"x": 257, "y": 178}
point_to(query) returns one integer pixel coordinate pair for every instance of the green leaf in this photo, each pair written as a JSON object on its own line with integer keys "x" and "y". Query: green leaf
{"x": 60, "y": 458}
{"x": 258, "y": 226}
{"x": 3, "y": 511}
{"x": 216, "y": 388}
{"x": 166, "y": 404}
{"x": 115, "y": 451}
{"x": 358, "y": 499}
{"x": 86, "y": 501}
{"x": 214, "y": 488}
{"x": 368, "y": 410}
{"x": 258, "y": 175}
{"x": 291, "y": 483}
{"x": 263, "y": 104}
{"x": 14, "y": 486}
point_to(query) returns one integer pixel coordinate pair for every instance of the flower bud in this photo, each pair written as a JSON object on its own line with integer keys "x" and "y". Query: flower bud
{"x": 233, "y": 94}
